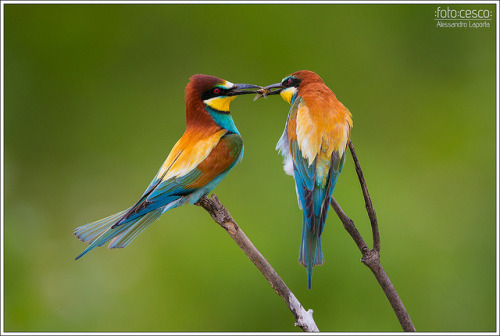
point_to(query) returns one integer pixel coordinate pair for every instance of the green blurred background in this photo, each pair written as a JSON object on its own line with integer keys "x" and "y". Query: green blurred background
{"x": 94, "y": 103}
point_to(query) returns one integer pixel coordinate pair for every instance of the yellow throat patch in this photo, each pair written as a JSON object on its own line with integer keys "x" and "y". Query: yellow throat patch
{"x": 220, "y": 103}
{"x": 288, "y": 93}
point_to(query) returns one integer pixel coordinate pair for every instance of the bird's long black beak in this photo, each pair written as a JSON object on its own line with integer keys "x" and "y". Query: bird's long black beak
{"x": 268, "y": 91}
{"x": 241, "y": 89}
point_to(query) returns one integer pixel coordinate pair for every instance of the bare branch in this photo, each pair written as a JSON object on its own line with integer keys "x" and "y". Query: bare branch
{"x": 350, "y": 227}
{"x": 221, "y": 216}
{"x": 371, "y": 258}
{"x": 368, "y": 202}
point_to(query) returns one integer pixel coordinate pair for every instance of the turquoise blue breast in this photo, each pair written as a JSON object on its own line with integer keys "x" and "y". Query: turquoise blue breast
{"x": 223, "y": 119}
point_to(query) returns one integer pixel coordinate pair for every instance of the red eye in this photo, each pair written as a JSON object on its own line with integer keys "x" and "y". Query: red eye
{"x": 216, "y": 91}
{"x": 289, "y": 81}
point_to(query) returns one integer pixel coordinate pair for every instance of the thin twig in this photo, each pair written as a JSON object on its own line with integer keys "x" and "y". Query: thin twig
{"x": 350, "y": 227}
{"x": 221, "y": 216}
{"x": 371, "y": 258}
{"x": 368, "y": 202}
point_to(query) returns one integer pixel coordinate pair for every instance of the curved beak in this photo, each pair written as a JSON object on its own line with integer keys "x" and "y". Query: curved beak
{"x": 241, "y": 89}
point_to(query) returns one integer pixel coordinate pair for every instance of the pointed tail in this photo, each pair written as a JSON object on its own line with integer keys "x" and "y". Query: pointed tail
{"x": 102, "y": 231}
{"x": 311, "y": 253}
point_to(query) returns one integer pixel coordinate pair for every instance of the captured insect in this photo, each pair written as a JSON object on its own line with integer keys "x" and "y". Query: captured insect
{"x": 267, "y": 91}
{"x": 262, "y": 92}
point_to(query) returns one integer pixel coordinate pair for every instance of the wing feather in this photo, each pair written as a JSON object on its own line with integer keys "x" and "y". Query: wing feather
{"x": 178, "y": 170}
{"x": 191, "y": 149}
{"x": 317, "y": 136}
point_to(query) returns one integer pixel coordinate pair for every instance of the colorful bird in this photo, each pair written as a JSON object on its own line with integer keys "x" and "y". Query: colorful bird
{"x": 313, "y": 144}
{"x": 203, "y": 156}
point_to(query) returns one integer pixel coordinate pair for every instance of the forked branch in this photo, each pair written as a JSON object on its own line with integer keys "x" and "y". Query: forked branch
{"x": 371, "y": 258}
{"x": 303, "y": 318}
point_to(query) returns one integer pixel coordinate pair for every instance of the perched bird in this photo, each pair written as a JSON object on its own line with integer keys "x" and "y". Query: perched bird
{"x": 206, "y": 152}
{"x": 313, "y": 144}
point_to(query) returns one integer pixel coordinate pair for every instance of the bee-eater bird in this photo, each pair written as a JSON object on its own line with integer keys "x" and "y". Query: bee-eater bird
{"x": 203, "y": 156}
{"x": 313, "y": 144}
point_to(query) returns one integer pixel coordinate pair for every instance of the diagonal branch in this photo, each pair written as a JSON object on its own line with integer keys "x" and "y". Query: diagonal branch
{"x": 350, "y": 227}
{"x": 371, "y": 258}
{"x": 221, "y": 216}
{"x": 368, "y": 202}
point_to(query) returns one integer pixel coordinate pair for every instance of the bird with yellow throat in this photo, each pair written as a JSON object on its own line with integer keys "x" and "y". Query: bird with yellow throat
{"x": 209, "y": 148}
{"x": 313, "y": 144}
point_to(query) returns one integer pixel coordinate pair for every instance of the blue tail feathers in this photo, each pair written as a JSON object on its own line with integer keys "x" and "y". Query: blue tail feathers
{"x": 311, "y": 253}
{"x": 102, "y": 231}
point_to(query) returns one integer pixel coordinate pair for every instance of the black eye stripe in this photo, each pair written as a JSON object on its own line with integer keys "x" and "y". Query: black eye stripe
{"x": 290, "y": 81}
{"x": 216, "y": 91}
